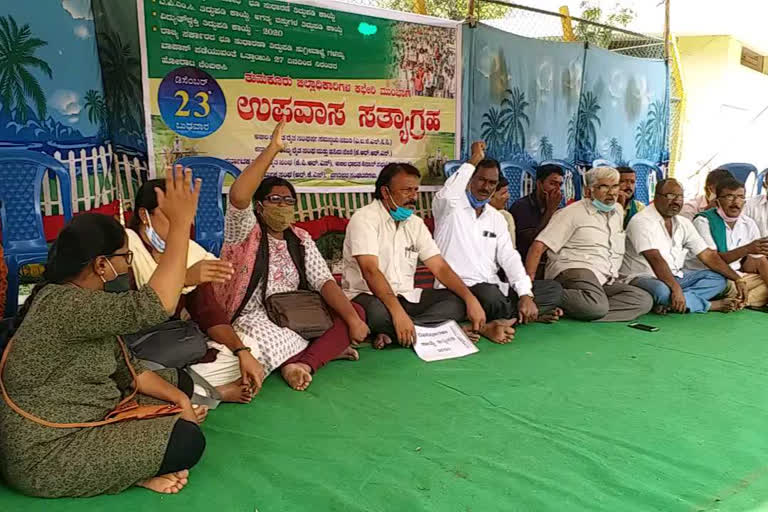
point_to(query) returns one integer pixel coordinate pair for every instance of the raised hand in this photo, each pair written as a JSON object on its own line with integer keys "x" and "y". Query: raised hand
{"x": 277, "y": 137}
{"x": 207, "y": 271}
{"x": 179, "y": 201}
{"x": 477, "y": 152}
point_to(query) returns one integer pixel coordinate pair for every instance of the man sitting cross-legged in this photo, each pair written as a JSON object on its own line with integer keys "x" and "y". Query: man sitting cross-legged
{"x": 659, "y": 239}
{"x": 474, "y": 239}
{"x": 383, "y": 244}
{"x": 585, "y": 244}
{"x": 736, "y": 237}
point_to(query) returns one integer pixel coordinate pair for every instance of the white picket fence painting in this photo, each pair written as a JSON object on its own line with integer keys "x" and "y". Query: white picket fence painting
{"x": 125, "y": 175}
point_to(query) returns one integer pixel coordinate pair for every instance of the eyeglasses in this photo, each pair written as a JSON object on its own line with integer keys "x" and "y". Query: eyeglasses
{"x": 606, "y": 188}
{"x": 671, "y": 197}
{"x": 127, "y": 255}
{"x": 733, "y": 197}
{"x": 286, "y": 200}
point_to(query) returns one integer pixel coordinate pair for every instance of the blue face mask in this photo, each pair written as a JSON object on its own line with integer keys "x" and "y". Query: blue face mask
{"x": 477, "y": 203}
{"x": 602, "y": 207}
{"x": 154, "y": 239}
{"x": 399, "y": 214}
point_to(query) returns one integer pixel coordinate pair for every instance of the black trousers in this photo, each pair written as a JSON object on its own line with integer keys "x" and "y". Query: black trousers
{"x": 187, "y": 443}
{"x": 434, "y": 307}
{"x": 548, "y": 295}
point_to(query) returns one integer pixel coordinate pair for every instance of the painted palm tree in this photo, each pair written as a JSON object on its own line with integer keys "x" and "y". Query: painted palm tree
{"x": 97, "y": 109}
{"x": 515, "y": 119}
{"x": 589, "y": 120}
{"x": 573, "y": 134}
{"x": 649, "y": 134}
{"x": 616, "y": 151}
{"x": 546, "y": 149}
{"x": 17, "y": 57}
{"x": 120, "y": 67}
{"x": 493, "y": 132}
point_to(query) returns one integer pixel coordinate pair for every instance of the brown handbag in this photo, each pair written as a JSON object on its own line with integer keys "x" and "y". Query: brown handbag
{"x": 127, "y": 409}
{"x": 302, "y": 311}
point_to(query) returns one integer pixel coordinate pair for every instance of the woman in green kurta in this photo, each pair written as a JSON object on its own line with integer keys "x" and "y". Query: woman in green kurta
{"x": 65, "y": 366}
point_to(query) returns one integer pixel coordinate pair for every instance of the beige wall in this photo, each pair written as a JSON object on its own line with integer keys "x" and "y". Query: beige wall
{"x": 723, "y": 97}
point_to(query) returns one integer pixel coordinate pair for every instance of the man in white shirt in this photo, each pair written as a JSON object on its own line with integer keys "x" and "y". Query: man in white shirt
{"x": 757, "y": 209}
{"x": 585, "y": 247}
{"x": 659, "y": 240}
{"x": 474, "y": 239}
{"x": 706, "y": 200}
{"x": 736, "y": 238}
{"x": 383, "y": 244}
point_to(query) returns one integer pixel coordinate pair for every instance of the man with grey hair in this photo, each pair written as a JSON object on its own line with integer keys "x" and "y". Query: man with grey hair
{"x": 585, "y": 249}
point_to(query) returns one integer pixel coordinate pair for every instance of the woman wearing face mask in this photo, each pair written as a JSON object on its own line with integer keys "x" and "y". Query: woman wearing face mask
{"x": 65, "y": 365}
{"x": 146, "y": 239}
{"x": 264, "y": 247}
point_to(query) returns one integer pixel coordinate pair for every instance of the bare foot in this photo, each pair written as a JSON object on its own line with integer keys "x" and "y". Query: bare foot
{"x": 725, "y": 305}
{"x": 660, "y": 309}
{"x": 349, "y": 353}
{"x": 297, "y": 375}
{"x": 551, "y": 317}
{"x": 473, "y": 336}
{"x": 236, "y": 392}
{"x": 201, "y": 411}
{"x": 381, "y": 341}
{"x": 499, "y": 331}
{"x": 171, "y": 483}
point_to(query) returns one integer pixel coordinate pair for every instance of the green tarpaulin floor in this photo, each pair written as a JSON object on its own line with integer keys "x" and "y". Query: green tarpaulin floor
{"x": 570, "y": 417}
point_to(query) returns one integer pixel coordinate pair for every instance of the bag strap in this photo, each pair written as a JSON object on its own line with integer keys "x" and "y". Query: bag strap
{"x": 50, "y": 424}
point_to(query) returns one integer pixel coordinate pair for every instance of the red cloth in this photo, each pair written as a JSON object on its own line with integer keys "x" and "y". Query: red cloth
{"x": 203, "y": 308}
{"x": 52, "y": 224}
{"x": 332, "y": 224}
{"x": 329, "y": 346}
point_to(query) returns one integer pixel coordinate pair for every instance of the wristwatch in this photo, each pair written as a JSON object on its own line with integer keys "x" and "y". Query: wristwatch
{"x": 240, "y": 349}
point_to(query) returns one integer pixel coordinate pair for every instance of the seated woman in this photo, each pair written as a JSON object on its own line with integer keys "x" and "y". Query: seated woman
{"x": 265, "y": 248}
{"x": 148, "y": 230}
{"x": 65, "y": 365}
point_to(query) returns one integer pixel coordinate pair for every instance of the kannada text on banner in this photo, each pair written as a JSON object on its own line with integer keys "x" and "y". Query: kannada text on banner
{"x": 357, "y": 92}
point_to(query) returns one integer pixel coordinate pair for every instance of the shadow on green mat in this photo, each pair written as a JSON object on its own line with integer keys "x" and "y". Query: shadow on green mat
{"x": 569, "y": 417}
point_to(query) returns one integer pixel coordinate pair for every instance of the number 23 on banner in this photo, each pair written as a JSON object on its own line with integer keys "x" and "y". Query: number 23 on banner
{"x": 202, "y": 101}
{"x": 191, "y": 102}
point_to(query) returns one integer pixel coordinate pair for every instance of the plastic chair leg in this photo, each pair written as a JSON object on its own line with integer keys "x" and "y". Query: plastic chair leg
{"x": 12, "y": 298}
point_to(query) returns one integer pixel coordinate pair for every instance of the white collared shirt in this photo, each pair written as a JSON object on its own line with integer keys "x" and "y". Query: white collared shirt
{"x": 475, "y": 247}
{"x": 744, "y": 232}
{"x": 398, "y": 246}
{"x": 757, "y": 210}
{"x": 646, "y": 231}
{"x": 579, "y": 236}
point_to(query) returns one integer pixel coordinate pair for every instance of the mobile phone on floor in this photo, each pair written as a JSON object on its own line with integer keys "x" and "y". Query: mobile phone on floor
{"x": 643, "y": 327}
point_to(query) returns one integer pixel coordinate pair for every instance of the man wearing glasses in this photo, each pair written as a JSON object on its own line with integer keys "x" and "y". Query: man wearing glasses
{"x": 729, "y": 231}
{"x": 660, "y": 240}
{"x": 585, "y": 248}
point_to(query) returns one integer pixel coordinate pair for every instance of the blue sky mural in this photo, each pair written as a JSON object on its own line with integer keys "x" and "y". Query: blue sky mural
{"x": 57, "y": 41}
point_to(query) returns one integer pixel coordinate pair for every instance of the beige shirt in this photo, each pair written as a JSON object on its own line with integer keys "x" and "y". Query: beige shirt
{"x": 398, "y": 246}
{"x": 510, "y": 224}
{"x": 579, "y": 236}
{"x": 647, "y": 231}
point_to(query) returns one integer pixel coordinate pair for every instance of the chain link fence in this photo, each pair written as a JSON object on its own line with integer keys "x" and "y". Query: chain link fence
{"x": 554, "y": 26}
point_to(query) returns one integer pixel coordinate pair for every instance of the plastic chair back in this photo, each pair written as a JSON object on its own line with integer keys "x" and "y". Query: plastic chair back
{"x": 21, "y": 177}
{"x": 209, "y": 220}
{"x": 450, "y": 167}
{"x": 521, "y": 177}
{"x": 648, "y": 175}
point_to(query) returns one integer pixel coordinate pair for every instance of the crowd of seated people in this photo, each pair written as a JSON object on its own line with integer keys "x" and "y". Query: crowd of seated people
{"x": 604, "y": 258}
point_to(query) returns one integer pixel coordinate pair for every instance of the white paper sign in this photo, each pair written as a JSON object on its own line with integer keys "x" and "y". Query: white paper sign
{"x": 445, "y": 341}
